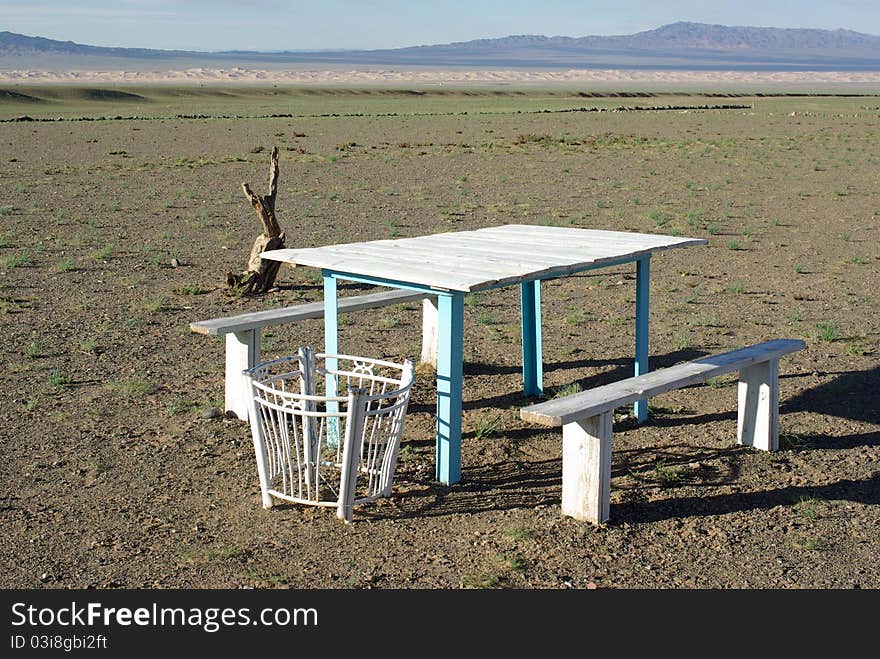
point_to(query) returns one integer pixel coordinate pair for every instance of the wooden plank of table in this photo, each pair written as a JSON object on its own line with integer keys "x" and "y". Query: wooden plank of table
{"x": 405, "y": 259}
{"x": 573, "y": 235}
{"x": 371, "y": 267}
{"x": 535, "y": 252}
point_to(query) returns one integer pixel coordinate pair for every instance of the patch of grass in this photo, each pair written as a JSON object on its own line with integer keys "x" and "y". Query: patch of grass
{"x": 659, "y": 219}
{"x": 132, "y": 388}
{"x": 4, "y": 240}
{"x": 481, "y": 581}
{"x": 738, "y": 288}
{"x": 486, "y": 426}
{"x": 694, "y": 218}
{"x": 806, "y": 508}
{"x": 681, "y": 341}
{"x": 513, "y": 562}
{"x": 532, "y": 138}
{"x": 58, "y": 379}
{"x": 733, "y": 245}
{"x": 33, "y": 350}
{"x": 16, "y": 260}
{"x": 104, "y": 253}
{"x": 190, "y": 289}
{"x": 406, "y": 453}
{"x": 858, "y": 260}
{"x": 827, "y": 331}
{"x": 158, "y": 304}
{"x": 66, "y": 264}
{"x": 89, "y": 346}
{"x": 471, "y": 300}
{"x": 567, "y": 390}
{"x": 706, "y": 320}
{"x": 858, "y": 349}
{"x": 210, "y": 555}
{"x": 790, "y": 440}
{"x": 712, "y": 229}
{"x": 810, "y": 543}
{"x": 181, "y": 405}
{"x": 486, "y": 318}
{"x": 387, "y": 323}
{"x": 520, "y": 533}
{"x": 666, "y": 475}
{"x": 6, "y": 210}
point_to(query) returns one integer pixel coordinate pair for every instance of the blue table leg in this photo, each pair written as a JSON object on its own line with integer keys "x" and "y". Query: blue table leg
{"x": 533, "y": 367}
{"x": 450, "y": 370}
{"x": 331, "y": 347}
{"x": 643, "y": 284}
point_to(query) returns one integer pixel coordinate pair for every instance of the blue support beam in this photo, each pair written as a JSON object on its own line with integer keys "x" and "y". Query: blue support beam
{"x": 331, "y": 347}
{"x": 643, "y": 285}
{"x": 450, "y": 373}
{"x": 533, "y": 366}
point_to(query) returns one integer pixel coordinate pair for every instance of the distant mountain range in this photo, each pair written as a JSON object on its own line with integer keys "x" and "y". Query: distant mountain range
{"x": 675, "y": 46}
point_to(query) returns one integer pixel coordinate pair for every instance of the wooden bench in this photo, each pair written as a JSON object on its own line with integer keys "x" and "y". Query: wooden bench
{"x": 243, "y": 334}
{"x": 586, "y": 417}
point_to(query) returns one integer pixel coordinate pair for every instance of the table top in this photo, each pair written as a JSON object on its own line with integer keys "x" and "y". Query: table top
{"x": 481, "y": 259}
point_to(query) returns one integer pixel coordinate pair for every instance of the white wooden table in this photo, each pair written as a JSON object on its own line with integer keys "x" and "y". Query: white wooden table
{"x": 450, "y": 265}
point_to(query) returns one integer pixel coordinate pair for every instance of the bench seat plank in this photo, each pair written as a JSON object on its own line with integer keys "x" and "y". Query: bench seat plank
{"x": 588, "y": 403}
{"x": 309, "y": 310}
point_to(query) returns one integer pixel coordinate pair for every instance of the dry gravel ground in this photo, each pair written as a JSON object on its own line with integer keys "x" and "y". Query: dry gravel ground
{"x": 111, "y": 478}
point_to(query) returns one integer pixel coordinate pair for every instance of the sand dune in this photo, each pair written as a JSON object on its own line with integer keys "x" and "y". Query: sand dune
{"x": 865, "y": 81}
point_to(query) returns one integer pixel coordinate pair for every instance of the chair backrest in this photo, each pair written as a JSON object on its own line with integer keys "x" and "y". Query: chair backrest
{"x": 297, "y": 431}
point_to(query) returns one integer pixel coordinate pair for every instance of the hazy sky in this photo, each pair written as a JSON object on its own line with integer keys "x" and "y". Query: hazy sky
{"x": 279, "y": 25}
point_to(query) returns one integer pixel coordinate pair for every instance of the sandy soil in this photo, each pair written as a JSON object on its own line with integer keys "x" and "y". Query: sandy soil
{"x": 117, "y": 234}
{"x": 429, "y": 76}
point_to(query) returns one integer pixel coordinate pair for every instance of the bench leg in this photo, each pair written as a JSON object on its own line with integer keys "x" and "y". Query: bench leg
{"x": 242, "y": 352}
{"x": 430, "y": 315}
{"x": 758, "y": 411}
{"x": 586, "y": 468}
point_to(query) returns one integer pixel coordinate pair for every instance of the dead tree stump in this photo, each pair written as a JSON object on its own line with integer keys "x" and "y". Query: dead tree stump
{"x": 260, "y": 275}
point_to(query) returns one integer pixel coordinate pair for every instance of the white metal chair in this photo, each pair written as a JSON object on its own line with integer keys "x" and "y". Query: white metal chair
{"x": 297, "y": 432}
